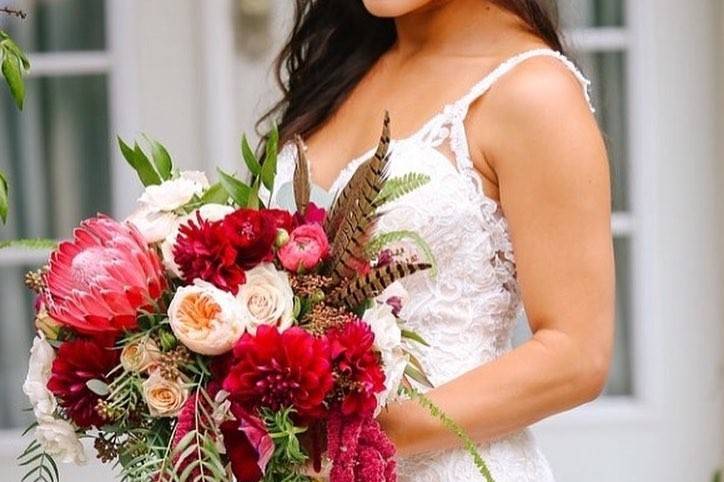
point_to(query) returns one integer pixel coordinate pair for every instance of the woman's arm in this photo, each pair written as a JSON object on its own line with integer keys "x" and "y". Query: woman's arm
{"x": 537, "y": 135}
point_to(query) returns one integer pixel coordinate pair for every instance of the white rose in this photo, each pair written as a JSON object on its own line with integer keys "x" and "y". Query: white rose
{"x": 388, "y": 341}
{"x": 206, "y": 319}
{"x": 174, "y": 193}
{"x": 395, "y": 294}
{"x": 58, "y": 438}
{"x": 165, "y": 398}
{"x": 267, "y": 298}
{"x": 155, "y": 217}
{"x": 36, "y": 382}
{"x": 139, "y": 355}
{"x": 209, "y": 212}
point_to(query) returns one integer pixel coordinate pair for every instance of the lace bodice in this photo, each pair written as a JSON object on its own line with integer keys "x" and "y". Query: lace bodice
{"x": 467, "y": 312}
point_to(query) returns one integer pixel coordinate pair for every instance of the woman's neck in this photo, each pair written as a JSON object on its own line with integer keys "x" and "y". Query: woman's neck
{"x": 457, "y": 27}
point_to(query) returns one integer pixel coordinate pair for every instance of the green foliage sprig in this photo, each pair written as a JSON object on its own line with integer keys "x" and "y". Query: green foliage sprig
{"x": 41, "y": 466}
{"x": 451, "y": 425}
{"x": 288, "y": 456}
{"x": 396, "y": 187}
{"x": 32, "y": 243}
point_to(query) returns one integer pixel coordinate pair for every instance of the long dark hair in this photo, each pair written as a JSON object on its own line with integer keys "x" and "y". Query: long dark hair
{"x": 335, "y": 42}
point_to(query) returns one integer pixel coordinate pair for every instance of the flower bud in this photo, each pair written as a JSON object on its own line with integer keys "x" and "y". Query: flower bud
{"x": 46, "y": 324}
{"x": 167, "y": 339}
{"x": 282, "y": 238}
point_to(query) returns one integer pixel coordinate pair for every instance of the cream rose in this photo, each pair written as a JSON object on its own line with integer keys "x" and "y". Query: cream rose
{"x": 266, "y": 298}
{"x": 388, "y": 341}
{"x": 58, "y": 438}
{"x": 36, "y": 381}
{"x": 209, "y": 212}
{"x": 165, "y": 398}
{"x": 140, "y": 355}
{"x": 206, "y": 319}
{"x": 156, "y": 216}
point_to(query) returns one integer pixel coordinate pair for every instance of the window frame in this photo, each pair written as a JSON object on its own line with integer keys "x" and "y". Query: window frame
{"x": 118, "y": 63}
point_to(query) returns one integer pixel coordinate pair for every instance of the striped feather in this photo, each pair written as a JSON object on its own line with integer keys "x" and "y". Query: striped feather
{"x": 367, "y": 286}
{"x": 345, "y": 198}
{"x": 302, "y": 184}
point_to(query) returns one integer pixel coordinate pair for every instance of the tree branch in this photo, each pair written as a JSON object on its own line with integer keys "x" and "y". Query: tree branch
{"x": 13, "y": 11}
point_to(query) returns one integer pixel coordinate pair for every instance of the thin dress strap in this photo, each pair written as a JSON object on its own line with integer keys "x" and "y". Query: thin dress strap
{"x": 487, "y": 82}
{"x": 458, "y": 111}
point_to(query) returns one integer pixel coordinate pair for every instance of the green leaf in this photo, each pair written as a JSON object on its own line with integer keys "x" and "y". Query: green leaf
{"x": 396, "y": 187}
{"x": 269, "y": 168}
{"x": 161, "y": 159}
{"x": 252, "y": 163}
{"x": 215, "y": 194}
{"x": 98, "y": 387}
{"x": 253, "y": 202}
{"x": 411, "y": 335}
{"x": 11, "y": 69}
{"x": 139, "y": 161}
{"x": 417, "y": 375}
{"x": 238, "y": 191}
{"x": 35, "y": 243}
{"x": 4, "y": 196}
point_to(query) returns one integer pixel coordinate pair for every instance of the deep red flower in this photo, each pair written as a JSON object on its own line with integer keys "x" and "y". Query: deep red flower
{"x": 314, "y": 214}
{"x": 76, "y": 363}
{"x": 99, "y": 281}
{"x": 276, "y": 370}
{"x": 280, "y": 218}
{"x": 357, "y": 365}
{"x": 359, "y": 449}
{"x": 203, "y": 251}
{"x": 251, "y": 233}
{"x": 248, "y": 445}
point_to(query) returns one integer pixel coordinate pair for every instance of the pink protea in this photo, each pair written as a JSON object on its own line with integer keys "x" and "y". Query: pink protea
{"x": 98, "y": 282}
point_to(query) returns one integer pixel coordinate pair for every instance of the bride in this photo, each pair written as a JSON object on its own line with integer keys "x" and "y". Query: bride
{"x": 517, "y": 212}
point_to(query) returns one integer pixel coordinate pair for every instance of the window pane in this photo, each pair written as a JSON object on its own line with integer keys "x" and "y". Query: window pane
{"x": 619, "y": 382}
{"x": 57, "y": 157}
{"x": 592, "y": 13}
{"x": 607, "y": 71}
{"x": 59, "y": 25}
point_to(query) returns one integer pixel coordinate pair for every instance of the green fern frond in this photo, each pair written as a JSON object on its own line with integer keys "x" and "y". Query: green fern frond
{"x": 41, "y": 466}
{"x": 396, "y": 187}
{"x": 380, "y": 241}
{"x": 451, "y": 425}
{"x": 35, "y": 243}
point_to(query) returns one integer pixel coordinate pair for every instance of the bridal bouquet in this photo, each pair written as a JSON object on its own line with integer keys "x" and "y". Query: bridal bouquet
{"x": 208, "y": 336}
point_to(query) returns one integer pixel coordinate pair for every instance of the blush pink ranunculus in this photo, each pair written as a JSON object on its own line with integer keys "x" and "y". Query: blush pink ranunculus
{"x": 307, "y": 247}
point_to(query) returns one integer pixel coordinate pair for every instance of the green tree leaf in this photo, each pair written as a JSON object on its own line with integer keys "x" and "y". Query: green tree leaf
{"x": 11, "y": 69}
{"x": 252, "y": 163}
{"x": 269, "y": 168}
{"x": 215, "y": 194}
{"x": 139, "y": 161}
{"x": 238, "y": 191}
{"x": 4, "y": 196}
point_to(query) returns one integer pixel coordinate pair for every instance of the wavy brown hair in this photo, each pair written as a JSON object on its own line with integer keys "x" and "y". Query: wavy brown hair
{"x": 324, "y": 57}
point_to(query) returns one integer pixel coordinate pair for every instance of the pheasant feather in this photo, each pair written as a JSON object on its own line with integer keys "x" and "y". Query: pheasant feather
{"x": 353, "y": 214}
{"x": 367, "y": 286}
{"x": 345, "y": 199}
{"x": 302, "y": 184}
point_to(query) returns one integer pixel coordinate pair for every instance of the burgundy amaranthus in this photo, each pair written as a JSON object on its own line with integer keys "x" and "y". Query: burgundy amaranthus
{"x": 359, "y": 449}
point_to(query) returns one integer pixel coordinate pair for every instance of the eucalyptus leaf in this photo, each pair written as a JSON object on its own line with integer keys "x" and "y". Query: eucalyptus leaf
{"x": 238, "y": 191}
{"x": 98, "y": 387}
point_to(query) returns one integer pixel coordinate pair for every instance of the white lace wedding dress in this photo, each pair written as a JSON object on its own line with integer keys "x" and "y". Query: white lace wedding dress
{"x": 468, "y": 311}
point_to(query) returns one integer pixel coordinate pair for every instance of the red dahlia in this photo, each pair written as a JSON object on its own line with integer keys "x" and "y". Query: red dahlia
{"x": 76, "y": 363}
{"x": 276, "y": 370}
{"x": 203, "y": 251}
{"x": 358, "y": 367}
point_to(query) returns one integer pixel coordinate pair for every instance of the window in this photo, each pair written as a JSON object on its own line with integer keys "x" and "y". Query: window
{"x": 57, "y": 156}
{"x": 597, "y": 33}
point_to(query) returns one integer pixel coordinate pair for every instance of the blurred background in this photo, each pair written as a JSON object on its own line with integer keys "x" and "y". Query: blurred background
{"x": 196, "y": 74}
